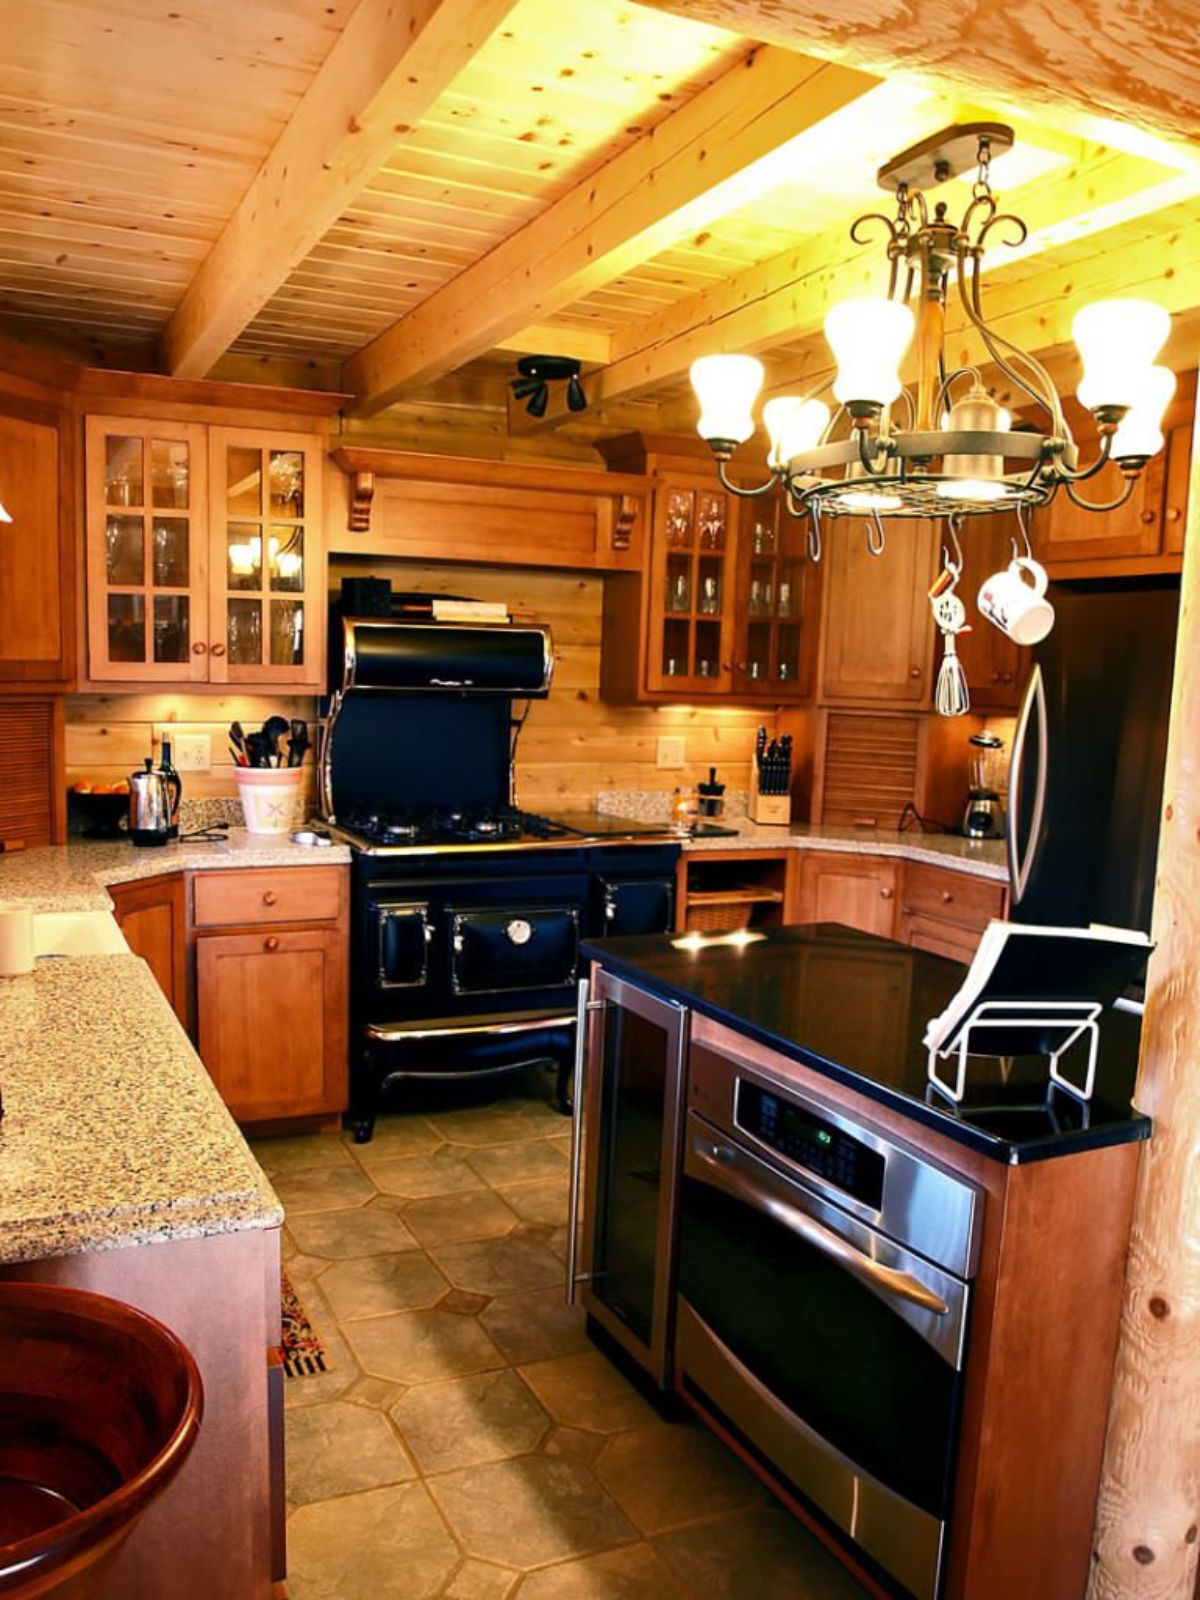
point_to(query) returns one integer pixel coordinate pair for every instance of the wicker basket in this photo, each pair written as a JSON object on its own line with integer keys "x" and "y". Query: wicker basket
{"x": 724, "y": 918}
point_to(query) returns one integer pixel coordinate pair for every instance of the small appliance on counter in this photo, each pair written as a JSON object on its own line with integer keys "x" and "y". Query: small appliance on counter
{"x": 710, "y": 796}
{"x": 771, "y": 780}
{"x": 983, "y": 817}
{"x": 153, "y": 805}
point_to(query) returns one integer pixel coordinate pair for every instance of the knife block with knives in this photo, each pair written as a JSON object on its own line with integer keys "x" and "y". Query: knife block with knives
{"x": 771, "y": 780}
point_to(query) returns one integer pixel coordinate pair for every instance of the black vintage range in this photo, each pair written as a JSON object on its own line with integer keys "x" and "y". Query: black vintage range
{"x": 468, "y": 913}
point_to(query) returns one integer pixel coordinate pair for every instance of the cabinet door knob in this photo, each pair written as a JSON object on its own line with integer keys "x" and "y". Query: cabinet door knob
{"x": 218, "y": 650}
{"x": 914, "y": 672}
{"x": 271, "y": 944}
{"x": 199, "y": 648}
{"x": 886, "y": 894}
{"x": 1149, "y": 516}
{"x": 1173, "y": 513}
{"x": 269, "y": 897}
{"x": 946, "y": 897}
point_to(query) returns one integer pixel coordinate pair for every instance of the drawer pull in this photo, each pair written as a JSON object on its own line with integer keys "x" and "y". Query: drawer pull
{"x": 1148, "y": 516}
{"x": 946, "y": 897}
{"x": 271, "y": 944}
{"x": 886, "y": 894}
{"x": 269, "y": 897}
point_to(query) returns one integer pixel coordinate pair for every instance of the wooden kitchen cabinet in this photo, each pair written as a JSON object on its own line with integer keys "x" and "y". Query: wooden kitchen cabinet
{"x": 945, "y": 911}
{"x": 151, "y": 915}
{"x": 995, "y": 667}
{"x": 857, "y": 891}
{"x": 1148, "y": 529}
{"x": 204, "y": 554}
{"x": 272, "y": 998}
{"x": 776, "y": 609}
{"x": 35, "y": 554}
{"x": 878, "y": 632}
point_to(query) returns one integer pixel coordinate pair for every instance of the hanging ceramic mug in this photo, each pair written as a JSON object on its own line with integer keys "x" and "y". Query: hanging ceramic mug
{"x": 1015, "y": 601}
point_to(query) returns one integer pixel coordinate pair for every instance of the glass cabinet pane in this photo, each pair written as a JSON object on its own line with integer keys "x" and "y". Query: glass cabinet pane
{"x": 126, "y": 627}
{"x": 711, "y": 520}
{"x": 788, "y": 665}
{"x": 123, "y": 470}
{"x": 125, "y": 552}
{"x": 244, "y": 632}
{"x": 708, "y": 649}
{"x": 758, "y": 651}
{"x": 169, "y": 486}
{"x": 171, "y": 622}
{"x": 171, "y": 566}
{"x": 675, "y": 649}
{"x": 287, "y": 633}
{"x": 287, "y": 483}
{"x": 681, "y": 512}
{"x": 711, "y": 586}
{"x": 679, "y": 583}
{"x": 287, "y": 557}
{"x": 243, "y": 556}
{"x": 243, "y": 481}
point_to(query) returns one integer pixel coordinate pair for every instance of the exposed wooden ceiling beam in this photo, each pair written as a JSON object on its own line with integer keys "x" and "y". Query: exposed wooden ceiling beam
{"x": 1099, "y": 58}
{"x": 389, "y": 64}
{"x": 592, "y": 345}
{"x": 729, "y": 143}
{"x": 785, "y": 299}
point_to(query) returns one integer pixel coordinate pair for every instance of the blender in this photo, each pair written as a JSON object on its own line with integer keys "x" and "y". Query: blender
{"x": 983, "y": 817}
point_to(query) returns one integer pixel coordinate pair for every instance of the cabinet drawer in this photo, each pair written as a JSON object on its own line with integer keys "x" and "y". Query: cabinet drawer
{"x": 258, "y": 894}
{"x": 940, "y": 938}
{"x": 952, "y": 896}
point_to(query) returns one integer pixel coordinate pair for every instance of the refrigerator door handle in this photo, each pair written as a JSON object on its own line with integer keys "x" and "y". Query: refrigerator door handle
{"x": 1020, "y": 862}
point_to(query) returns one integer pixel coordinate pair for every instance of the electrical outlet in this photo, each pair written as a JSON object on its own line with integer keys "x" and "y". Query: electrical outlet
{"x": 671, "y": 752}
{"x": 192, "y": 752}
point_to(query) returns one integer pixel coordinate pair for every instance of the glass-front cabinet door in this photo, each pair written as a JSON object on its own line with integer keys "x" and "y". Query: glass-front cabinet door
{"x": 772, "y": 654}
{"x": 692, "y": 580}
{"x": 147, "y": 552}
{"x": 265, "y": 492}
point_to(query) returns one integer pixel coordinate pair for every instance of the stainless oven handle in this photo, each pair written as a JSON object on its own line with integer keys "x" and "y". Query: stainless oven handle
{"x": 888, "y": 1279}
{"x": 584, "y": 1007}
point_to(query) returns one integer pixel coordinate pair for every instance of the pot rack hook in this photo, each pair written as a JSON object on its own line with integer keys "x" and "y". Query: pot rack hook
{"x": 953, "y": 562}
{"x": 1017, "y": 551}
{"x": 876, "y": 538}
{"x": 814, "y": 533}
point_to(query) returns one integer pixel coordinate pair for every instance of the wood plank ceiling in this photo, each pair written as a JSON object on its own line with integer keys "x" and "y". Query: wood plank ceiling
{"x": 133, "y": 131}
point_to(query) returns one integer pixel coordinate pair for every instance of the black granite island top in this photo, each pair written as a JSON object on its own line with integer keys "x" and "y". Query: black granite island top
{"x": 854, "y": 1007}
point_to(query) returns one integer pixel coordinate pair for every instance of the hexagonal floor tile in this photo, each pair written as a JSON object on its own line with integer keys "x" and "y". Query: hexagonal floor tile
{"x": 480, "y": 1580}
{"x": 488, "y": 1417}
{"x": 485, "y": 1126}
{"x": 326, "y": 1188}
{"x": 530, "y": 1161}
{"x": 340, "y": 1235}
{"x": 386, "y": 1544}
{"x": 371, "y": 1286}
{"x": 281, "y": 1158}
{"x": 536, "y": 1325}
{"x": 396, "y": 1136}
{"x": 422, "y": 1346}
{"x": 668, "y": 1474}
{"x": 499, "y": 1266}
{"x": 530, "y": 1511}
{"x": 539, "y": 1202}
{"x": 339, "y": 1448}
{"x": 442, "y": 1171}
{"x": 455, "y": 1218}
{"x": 587, "y": 1391}
{"x": 764, "y": 1553}
{"x": 632, "y": 1572}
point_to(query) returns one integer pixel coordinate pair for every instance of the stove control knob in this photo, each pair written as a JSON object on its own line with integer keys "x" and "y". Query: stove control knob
{"x": 519, "y": 931}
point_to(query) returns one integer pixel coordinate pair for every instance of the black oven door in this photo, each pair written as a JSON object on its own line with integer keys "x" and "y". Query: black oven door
{"x": 497, "y": 949}
{"x": 832, "y": 1351}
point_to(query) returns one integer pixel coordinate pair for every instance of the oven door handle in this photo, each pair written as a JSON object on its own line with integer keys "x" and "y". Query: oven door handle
{"x": 890, "y": 1280}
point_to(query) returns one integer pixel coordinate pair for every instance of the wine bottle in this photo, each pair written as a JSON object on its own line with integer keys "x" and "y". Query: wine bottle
{"x": 174, "y": 787}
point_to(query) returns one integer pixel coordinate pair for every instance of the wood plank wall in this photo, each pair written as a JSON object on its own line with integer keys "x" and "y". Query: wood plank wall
{"x": 572, "y": 745}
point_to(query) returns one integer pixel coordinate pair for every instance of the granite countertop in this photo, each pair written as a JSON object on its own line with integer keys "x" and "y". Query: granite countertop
{"x": 74, "y": 877}
{"x": 854, "y": 1007}
{"x": 113, "y": 1134}
{"x": 984, "y": 858}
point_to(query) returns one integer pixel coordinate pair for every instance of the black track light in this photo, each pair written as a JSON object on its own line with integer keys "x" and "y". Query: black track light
{"x": 576, "y": 399}
{"x": 539, "y": 400}
{"x": 524, "y": 387}
{"x": 537, "y": 373}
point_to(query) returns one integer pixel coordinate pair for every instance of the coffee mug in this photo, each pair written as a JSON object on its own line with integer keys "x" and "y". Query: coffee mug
{"x": 1015, "y": 601}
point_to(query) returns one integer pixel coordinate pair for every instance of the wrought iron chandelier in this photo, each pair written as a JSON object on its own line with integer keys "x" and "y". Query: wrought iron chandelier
{"x": 941, "y": 447}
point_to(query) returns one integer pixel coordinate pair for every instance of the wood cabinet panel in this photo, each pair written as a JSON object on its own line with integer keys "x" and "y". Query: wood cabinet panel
{"x": 867, "y": 768}
{"x": 33, "y": 791}
{"x": 35, "y": 611}
{"x": 152, "y": 918}
{"x": 290, "y": 894}
{"x": 878, "y": 632}
{"x": 857, "y": 891}
{"x": 777, "y": 606}
{"x": 952, "y": 896}
{"x": 939, "y": 938}
{"x": 995, "y": 667}
{"x": 271, "y": 1010}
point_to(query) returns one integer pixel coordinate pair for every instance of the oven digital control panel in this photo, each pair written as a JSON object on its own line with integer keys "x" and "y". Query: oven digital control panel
{"x": 809, "y": 1141}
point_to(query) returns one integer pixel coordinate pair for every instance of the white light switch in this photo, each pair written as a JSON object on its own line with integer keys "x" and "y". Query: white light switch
{"x": 671, "y": 752}
{"x": 192, "y": 752}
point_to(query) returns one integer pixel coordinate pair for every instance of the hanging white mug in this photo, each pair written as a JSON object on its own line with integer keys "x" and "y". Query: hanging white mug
{"x": 1015, "y": 601}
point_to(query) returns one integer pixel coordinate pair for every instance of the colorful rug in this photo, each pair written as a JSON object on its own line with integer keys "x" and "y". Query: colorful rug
{"x": 303, "y": 1353}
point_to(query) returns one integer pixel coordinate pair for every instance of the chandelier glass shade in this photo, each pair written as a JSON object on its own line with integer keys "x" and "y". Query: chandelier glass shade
{"x": 940, "y": 445}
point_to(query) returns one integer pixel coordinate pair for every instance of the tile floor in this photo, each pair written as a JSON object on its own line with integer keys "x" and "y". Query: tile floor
{"x": 469, "y": 1443}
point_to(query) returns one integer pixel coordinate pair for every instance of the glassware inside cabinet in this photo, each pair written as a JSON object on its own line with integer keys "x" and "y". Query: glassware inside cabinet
{"x": 126, "y": 624}
{"x": 711, "y": 586}
{"x": 169, "y": 474}
{"x": 708, "y": 649}
{"x": 124, "y": 471}
{"x": 787, "y": 665}
{"x": 171, "y": 564}
{"x": 172, "y": 619}
{"x": 763, "y": 539}
{"x": 710, "y": 520}
{"x": 758, "y": 652}
{"x": 286, "y": 480}
{"x": 287, "y": 633}
{"x": 681, "y": 518}
{"x": 675, "y": 648}
{"x": 679, "y": 583}
{"x": 125, "y": 552}
{"x": 244, "y": 632}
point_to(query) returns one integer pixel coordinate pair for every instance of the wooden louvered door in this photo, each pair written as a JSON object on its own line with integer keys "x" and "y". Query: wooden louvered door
{"x": 32, "y": 796}
{"x": 867, "y": 769}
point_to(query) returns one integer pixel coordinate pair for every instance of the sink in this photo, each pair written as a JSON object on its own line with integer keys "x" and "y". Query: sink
{"x": 100, "y": 1406}
{"x": 77, "y": 933}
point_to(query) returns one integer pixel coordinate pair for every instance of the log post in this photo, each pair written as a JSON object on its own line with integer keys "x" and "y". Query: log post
{"x": 1148, "y": 1513}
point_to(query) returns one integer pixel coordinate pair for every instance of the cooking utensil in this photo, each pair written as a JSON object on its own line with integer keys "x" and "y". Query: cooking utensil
{"x": 256, "y": 750}
{"x": 299, "y": 744}
{"x": 274, "y": 729}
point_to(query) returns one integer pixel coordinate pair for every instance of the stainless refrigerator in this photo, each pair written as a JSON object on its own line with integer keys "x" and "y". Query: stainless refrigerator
{"x": 1086, "y": 775}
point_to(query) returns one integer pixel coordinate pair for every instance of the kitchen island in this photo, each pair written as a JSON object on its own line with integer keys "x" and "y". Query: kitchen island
{"x": 900, "y": 1312}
